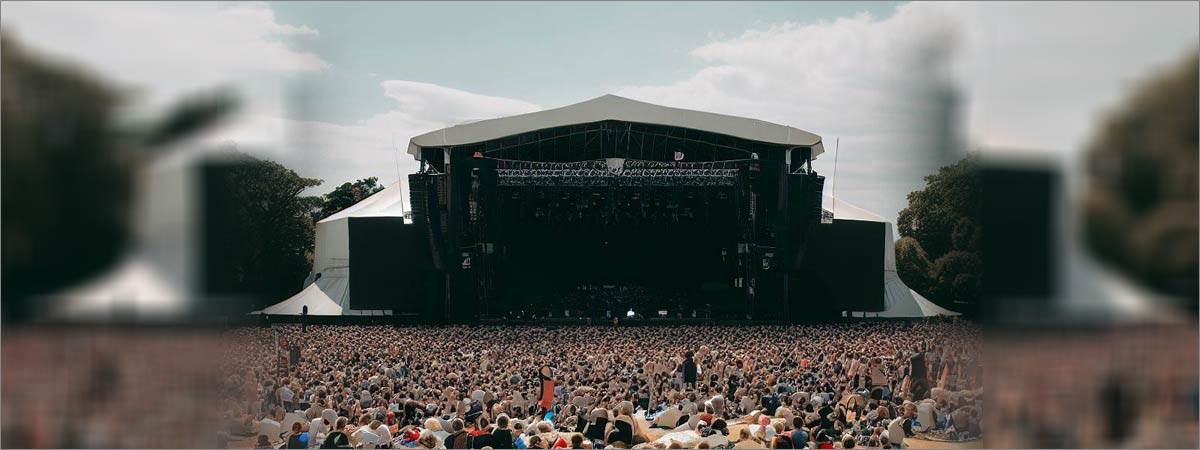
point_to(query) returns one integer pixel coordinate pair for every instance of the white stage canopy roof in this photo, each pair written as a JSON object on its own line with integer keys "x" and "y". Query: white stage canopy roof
{"x": 612, "y": 107}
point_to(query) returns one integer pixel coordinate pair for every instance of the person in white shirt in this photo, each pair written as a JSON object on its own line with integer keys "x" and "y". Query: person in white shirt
{"x": 363, "y": 436}
{"x": 435, "y": 427}
{"x": 381, "y": 430}
{"x": 316, "y": 428}
{"x": 718, "y": 405}
{"x": 901, "y": 426}
{"x": 927, "y": 414}
{"x": 270, "y": 427}
{"x": 285, "y": 395}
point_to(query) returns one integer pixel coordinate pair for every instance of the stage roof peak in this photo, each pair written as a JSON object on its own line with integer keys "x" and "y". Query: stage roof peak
{"x": 612, "y": 107}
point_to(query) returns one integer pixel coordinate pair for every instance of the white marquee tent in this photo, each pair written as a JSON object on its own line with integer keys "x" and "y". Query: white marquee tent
{"x": 318, "y": 303}
{"x": 329, "y": 284}
{"x": 333, "y": 232}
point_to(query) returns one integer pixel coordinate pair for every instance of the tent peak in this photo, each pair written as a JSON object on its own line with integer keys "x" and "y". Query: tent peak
{"x": 385, "y": 203}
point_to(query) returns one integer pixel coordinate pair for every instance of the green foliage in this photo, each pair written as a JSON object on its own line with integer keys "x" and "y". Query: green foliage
{"x": 1140, "y": 207}
{"x": 955, "y": 276}
{"x": 260, "y": 231}
{"x": 912, "y": 264}
{"x": 263, "y": 228}
{"x": 347, "y": 195}
{"x": 965, "y": 236}
{"x": 938, "y": 254}
{"x": 966, "y": 285}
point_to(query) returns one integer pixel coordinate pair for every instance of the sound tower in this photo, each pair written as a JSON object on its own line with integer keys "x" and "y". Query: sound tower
{"x": 798, "y": 212}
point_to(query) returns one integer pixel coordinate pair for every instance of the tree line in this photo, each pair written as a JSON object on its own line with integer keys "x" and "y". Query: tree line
{"x": 260, "y": 228}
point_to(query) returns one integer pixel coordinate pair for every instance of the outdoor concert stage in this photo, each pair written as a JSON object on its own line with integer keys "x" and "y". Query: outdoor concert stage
{"x": 602, "y": 209}
{"x": 608, "y": 206}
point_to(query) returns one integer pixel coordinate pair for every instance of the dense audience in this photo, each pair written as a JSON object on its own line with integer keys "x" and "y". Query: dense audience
{"x": 865, "y": 384}
{"x": 603, "y": 302}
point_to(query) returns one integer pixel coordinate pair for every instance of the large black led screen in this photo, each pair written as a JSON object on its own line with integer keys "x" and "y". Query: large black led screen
{"x": 390, "y": 267}
{"x": 842, "y": 268}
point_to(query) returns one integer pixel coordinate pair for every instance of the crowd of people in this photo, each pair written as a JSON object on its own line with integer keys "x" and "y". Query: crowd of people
{"x": 847, "y": 385}
{"x": 604, "y": 302}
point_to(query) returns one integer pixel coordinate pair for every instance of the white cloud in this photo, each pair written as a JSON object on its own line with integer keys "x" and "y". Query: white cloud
{"x": 1041, "y": 75}
{"x": 164, "y": 50}
{"x": 260, "y": 14}
{"x": 376, "y": 146}
{"x": 870, "y": 83}
{"x": 1032, "y": 75}
{"x": 433, "y": 103}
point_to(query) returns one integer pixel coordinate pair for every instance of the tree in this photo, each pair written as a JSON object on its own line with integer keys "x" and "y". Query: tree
{"x": 347, "y": 195}
{"x": 955, "y": 276}
{"x": 259, "y": 230}
{"x": 938, "y": 254}
{"x": 912, "y": 264}
{"x": 1140, "y": 206}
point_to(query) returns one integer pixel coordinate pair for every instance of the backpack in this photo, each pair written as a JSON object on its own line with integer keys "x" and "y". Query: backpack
{"x": 336, "y": 439}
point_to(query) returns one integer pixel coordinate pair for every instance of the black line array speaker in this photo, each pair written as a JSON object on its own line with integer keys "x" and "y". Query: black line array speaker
{"x": 803, "y": 203}
{"x": 426, "y": 195}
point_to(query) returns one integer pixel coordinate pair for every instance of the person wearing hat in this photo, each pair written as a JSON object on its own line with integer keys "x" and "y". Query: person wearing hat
{"x": 624, "y": 429}
{"x": 718, "y": 405}
{"x": 321, "y": 425}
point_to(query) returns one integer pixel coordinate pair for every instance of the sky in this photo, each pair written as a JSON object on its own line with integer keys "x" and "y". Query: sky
{"x": 334, "y": 91}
